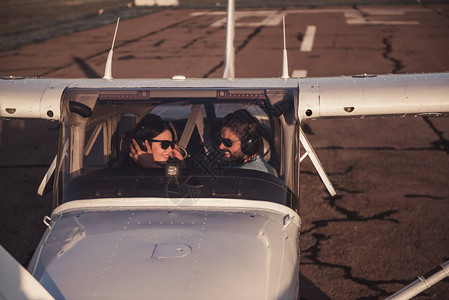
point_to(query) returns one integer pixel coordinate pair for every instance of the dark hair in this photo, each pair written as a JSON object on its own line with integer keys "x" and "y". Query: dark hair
{"x": 149, "y": 127}
{"x": 247, "y": 128}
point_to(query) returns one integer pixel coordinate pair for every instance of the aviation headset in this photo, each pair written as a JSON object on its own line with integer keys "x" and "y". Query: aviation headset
{"x": 250, "y": 144}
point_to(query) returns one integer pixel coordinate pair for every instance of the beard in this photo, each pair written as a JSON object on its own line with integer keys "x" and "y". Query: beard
{"x": 234, "y": 158}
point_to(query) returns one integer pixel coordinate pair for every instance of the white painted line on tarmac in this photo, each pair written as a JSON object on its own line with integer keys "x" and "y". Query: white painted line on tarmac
{"x": 299, "y": 73}
{"x": 273, "y": 20}
{"x": 363, "y": 16}
{"x": 365, "y": 10}
{"x": 309, "y": 37}
{"x": 376, "y": 17}
{"x": 394, "y": 23}
{"x": 156, "y": 2}
{"x": 207, "y": 13}
{"x": 266, "y": 17}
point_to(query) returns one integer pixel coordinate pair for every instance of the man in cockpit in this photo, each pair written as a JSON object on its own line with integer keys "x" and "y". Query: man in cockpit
{"x": 241, "y": 142}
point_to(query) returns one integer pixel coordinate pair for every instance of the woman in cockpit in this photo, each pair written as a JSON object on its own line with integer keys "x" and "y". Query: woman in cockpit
{"x": 153, "y": 143}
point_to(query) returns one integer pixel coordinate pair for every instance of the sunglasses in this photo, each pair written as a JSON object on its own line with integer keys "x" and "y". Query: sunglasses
{"x": 165, "y": 143}
{"x": 227, "y": 142}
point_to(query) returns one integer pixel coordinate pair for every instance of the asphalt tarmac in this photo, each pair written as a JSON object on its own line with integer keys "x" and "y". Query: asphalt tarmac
{"x": 389, "y": 222}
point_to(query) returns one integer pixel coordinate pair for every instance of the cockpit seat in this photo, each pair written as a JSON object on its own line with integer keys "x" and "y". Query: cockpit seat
{"x": 266, "y": 154}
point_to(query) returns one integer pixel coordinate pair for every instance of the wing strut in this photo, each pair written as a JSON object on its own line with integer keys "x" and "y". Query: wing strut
{"x": 422, "y": 283}
{"x": 316, "y": 162}
{"x": 50, "y": 172}
{"x": 46, "y": 179}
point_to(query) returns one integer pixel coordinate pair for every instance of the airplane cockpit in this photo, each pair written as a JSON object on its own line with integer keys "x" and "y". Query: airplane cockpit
{"x": 94, "y": 145}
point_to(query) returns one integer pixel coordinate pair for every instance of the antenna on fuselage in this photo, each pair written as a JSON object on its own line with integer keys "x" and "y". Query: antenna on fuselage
{"x": 284, "y": 54}
{"x": 108, "y": 67}
{"x": 229, "y": 52}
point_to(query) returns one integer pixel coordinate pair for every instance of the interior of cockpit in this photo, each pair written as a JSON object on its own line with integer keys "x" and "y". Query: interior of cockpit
{"x": 96, "y": 135}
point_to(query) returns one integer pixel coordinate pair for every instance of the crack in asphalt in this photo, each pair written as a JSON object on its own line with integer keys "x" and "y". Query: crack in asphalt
{"x": 387, "y": 52}
{"x": 350, "y": 215}
{"x": 442, "y": 143}
{"x": 374, "y": 285}
{"x": 424, "y": 196}
{"x": 312, "y": 253}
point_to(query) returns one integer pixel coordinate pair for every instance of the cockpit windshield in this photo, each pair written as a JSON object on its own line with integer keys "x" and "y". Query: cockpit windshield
{"x": 181, "y": 144}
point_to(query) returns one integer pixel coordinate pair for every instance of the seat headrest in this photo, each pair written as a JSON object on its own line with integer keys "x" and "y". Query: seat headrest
{"x": 266, "y": 155}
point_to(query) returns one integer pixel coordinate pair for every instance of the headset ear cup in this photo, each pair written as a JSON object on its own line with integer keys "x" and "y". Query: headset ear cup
{"x": 250, "y": 145}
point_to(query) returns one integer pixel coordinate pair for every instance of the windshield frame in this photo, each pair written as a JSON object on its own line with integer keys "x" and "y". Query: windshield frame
{"x": 83, "y": 109}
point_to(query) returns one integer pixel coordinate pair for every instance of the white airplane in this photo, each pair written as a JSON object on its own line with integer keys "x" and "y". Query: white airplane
{"x": 196, "y": 231}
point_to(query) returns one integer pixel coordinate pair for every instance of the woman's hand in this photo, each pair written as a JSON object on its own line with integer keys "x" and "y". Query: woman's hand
{"x": 177, "y": 153}
{"x": 143, "y": 158}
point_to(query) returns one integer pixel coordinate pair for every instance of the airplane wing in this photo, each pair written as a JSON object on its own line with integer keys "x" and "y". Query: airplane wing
{"x": 372, "y": 95}
{"x": 17, "y": 282}
{"x": 31, "y": 98}
{"x": 356, "y": 96}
